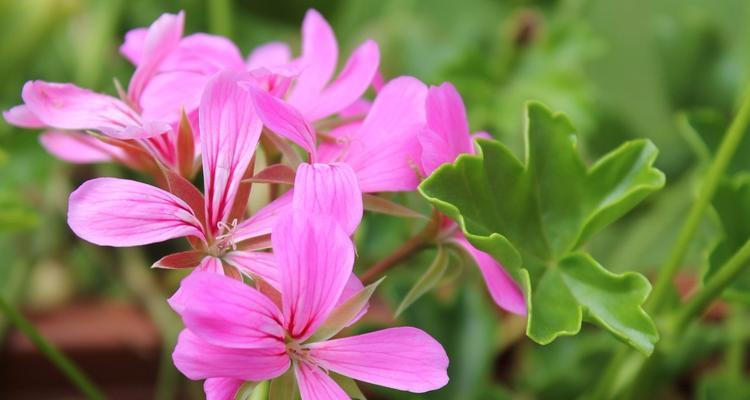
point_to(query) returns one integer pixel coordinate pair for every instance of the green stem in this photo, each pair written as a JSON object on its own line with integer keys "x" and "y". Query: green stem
{"x": 708, "y": 186}
{"x": 220, "y": 17}
{"x": 713, "y": 288}
{"x": 55, "y": 356}
{"x": 260, "y": 392}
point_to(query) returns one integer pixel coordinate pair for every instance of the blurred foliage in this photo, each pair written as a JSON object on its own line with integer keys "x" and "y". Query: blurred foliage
{"x": 619, "y": 69}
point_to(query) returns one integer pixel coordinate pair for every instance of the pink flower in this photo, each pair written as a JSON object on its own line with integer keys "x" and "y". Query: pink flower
{"x": 235, "y": 333}
{"x": 443, "y": 140}
{"x": 120, "y": 212}
{"x": 382, "y": 149}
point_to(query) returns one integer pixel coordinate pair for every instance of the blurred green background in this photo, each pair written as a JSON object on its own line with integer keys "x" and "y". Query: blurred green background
{"x": 619, "y": 69}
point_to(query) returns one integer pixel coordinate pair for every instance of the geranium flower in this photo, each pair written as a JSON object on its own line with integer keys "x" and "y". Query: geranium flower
{"x": 235, "y": 333}
{"x": 120, "y": 212}
{"x": 442, "y": 141}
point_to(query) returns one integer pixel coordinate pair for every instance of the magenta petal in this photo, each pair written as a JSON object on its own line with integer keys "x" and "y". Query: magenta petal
{"x": 169, "y": 93}
{"x": 77, "y": 147}
{"x": 314, "y": 384}
{"x": 222, "y": 388}
{"x": 401, "y": 358}
{"x": 269, "y": 55}
{"x": 329, "y": 189}
{"x": 318, "y": 61}
{"x": 66, "y": 106}
{"x": 283, "y": 119}
{"x": 204, "y": 54}
{"x": 230, "y": 130}
{"x": 256, "y": 264}
{"x": 448, "y": 133}
{"x": 229, "y": 313}
{"x": 315, "y": 258}
{"x": 162, "y": 37}
{"x": 121, "y": 212}
{"x": 199, "y": 359}
{"x": 385, "y": 152}
{"x": 21, "y": 116}
{"x": 348, "y": 86}
{"x": 504, "y": 291}
{"x": 263, "y": 221}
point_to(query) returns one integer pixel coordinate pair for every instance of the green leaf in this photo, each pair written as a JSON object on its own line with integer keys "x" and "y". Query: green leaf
{"x": 284, "y": 387}
{"x": 534, "y": 216}
{"x": 732, "y": 205}
{"x": 349, "y": 386}
{"x": 342, "y": 315}
{"x": 428, "y": 280}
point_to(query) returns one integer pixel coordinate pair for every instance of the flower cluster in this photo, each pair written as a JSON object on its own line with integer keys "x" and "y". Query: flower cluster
{"x": 194, "y": 104}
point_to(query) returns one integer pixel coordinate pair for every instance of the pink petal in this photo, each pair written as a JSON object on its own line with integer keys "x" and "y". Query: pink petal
{"x": 329, "y": 189}
{"x": 331, "y": 150}
{"x": 199, "y": 359}
{"x": 211, "y": 264}
{"x": 263, "y": 221}
{"x": 121, "y": 212}
{"x": 349, "y": 86}
{"x": 315, "y": 258}
{"x": 448, "y": 133}
{"x": 229, "y": 134}
{"x": 22, "y": 117}
{"x": 132, "y": 47}
{"x": 229, "y": 313}
{"x": 78, "y": 148}
{"x": 256, "y": 264}
{"x": 162, "y": 38}
{"x": 222, "y": 388}
{"x": 269, "y": 55}
{"x": 318, "y": 61}
{"x": 204, "y": 54}
{"x": 66, "y": 106}
{"x": 504, "y": 291}
{"x": 283, "y": 119}
{"x": 314, "y": 384}
{"x": 168, "y": 93}
{"x": 402, "y": 358}
{"x": 385, "y": 152}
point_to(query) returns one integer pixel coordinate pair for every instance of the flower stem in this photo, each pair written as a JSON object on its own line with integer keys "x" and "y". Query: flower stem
{"x": 55, "y": 356}
{"x": 716, "y": 170}
{"x": 409, "y": 248}
{"x": 713, "y": 288}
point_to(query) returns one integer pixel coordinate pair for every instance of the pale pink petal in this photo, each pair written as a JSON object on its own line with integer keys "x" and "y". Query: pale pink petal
{"x": 199, "y": 359}
{"x": 132, "y": 47}
{"x": 263, "y": 221}
{"x": 256, "y": 264}
{"x": 335, "y": 146}
{"x": 315, "y": 258}
{"x": 121, "y": 212}
{"x": 402, "y": 358}
{"x": 329, "y": 189}
{"x": 504, "y": 291}
{"x": 269, "y": 55}
{"x": 77, "y": 147}
{"x": 66, "y": 106}
{"x": 348, "y": 86}
{"x": 162, "y": 38}
{"x": 205, "y": 54}
{"x": 169, "y": 93}
{"x": 229, "y": 134}
{"x": 283, "y": 119}
{"x": 226, "y": 312}
{"x": 385, "y": 152}
{"x": 481, "y": 135}
{"x": 359, "y": 108}
{"x": 222, "y": 388}
{"x": 318, "y": 61}
{"x": 22, "y": 117}
{"x": 314, "y": 384}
